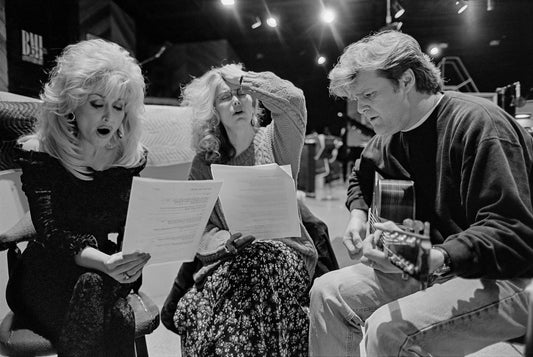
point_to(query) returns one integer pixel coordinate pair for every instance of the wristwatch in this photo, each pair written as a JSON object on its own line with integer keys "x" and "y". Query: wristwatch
{"x": 446, "y": 266}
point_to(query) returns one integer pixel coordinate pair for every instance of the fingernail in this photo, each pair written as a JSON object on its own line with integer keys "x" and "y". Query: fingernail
{"x": 358, "y": 245}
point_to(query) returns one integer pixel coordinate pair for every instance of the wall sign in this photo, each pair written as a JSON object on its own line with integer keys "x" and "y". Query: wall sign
{"x": 32, "y": 47}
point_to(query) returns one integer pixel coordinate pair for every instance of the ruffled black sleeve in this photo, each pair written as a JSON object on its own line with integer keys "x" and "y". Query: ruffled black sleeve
{"x": 40, "y": 173}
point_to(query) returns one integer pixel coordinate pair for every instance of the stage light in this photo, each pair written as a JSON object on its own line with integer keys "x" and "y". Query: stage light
{"x": 434, "y": 51}
{"x": 393, "y": 8}
{"x": 272, "y": 22}
{"x": 461, "y": 6}
{"x": 321, "y": 60}
{"x": 228, "y": 2}
{"x": 397, "y": 9}
{"x": 327, "y": 15}
{"x": 490, "y": 5}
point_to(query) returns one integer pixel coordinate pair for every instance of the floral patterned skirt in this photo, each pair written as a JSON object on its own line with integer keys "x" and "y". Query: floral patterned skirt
{"x": 251, "y": 305}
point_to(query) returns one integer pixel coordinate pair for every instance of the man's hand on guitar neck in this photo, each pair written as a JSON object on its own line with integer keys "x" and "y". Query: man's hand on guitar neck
{"x": 354, "y": 234}
{"x": 375, "y": 257}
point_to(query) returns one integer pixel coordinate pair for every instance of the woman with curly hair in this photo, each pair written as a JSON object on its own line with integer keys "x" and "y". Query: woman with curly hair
{"x": 72, "y": 282}
{"x": 240, "y": 297}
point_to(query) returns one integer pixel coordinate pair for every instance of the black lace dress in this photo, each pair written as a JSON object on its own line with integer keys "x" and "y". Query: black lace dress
{"x": 82, "y": 311}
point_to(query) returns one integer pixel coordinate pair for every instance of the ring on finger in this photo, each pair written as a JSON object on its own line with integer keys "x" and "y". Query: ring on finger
{"x": 230, "y": 247}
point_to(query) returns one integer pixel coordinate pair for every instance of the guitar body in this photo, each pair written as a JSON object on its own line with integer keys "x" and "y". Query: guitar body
{"x": 394, "y": 200}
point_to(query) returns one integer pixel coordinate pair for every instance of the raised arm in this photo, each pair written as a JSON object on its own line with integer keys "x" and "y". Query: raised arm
{"x": 286, "y": 103}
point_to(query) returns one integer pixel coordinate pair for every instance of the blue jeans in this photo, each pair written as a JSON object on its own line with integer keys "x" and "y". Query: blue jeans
{"x": 451, "y": 318}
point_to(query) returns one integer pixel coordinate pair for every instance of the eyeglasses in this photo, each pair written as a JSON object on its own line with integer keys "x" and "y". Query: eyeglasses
{"x": 228, "y": 94}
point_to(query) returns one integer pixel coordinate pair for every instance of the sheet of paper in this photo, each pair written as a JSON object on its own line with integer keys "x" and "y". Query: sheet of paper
{"x": 167, "y": 218}
{"x": 259, "y": 200}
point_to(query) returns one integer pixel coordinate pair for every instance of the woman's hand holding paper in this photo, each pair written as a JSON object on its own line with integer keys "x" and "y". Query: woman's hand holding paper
{"x": 126, "y": 268}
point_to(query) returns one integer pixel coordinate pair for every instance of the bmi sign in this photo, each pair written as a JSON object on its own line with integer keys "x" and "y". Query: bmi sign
{"x": 32, "y": 47}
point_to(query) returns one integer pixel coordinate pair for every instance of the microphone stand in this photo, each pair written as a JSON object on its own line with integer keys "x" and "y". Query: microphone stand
{"x": 155, "y": 56}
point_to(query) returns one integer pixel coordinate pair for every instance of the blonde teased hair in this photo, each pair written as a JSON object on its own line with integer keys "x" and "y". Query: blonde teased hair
{"x": 209, "y": 135}
{"x": 92, "y": 66}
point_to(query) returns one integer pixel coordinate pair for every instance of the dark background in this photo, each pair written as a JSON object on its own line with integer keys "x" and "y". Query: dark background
{"x": 198, "y": 34}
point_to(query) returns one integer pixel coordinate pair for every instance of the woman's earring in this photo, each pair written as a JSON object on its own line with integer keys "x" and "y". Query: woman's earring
{"x": 73, "y": 126}
{"x": 120, "y": 131}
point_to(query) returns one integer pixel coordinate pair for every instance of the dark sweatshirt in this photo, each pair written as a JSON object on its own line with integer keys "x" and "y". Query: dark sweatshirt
{"x": 472, "y": 167}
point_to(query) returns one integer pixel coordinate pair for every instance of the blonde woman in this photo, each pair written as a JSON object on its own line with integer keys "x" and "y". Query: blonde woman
{"x": 77, "y": 170}
{"x": 242, "y": 297}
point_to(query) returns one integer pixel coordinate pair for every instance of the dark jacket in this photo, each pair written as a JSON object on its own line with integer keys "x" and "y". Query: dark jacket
{"x": 472, "y": 165}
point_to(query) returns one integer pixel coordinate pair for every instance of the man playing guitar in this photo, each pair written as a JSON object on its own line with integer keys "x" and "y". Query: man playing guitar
{"x": 472, "y": 167}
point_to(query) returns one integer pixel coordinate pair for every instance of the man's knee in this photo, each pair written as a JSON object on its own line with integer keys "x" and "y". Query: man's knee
{"x": 385, "y": 336}
{"x": 324, "y": 289}
{"x": 324, "y": 304}
{"x": 330, "y": 300}
{"x": 322, "y": 286}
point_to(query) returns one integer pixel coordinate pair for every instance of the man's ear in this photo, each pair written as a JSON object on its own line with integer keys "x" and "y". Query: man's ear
{"x": 407, "y": 80}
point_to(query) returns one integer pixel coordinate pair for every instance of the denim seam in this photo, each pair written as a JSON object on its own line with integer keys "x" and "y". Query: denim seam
{"x": 485, "y": 307}
{"x": 351, "y": 316}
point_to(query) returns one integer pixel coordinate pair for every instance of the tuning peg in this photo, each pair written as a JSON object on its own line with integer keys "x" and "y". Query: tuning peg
{"x": 408, "y": 223}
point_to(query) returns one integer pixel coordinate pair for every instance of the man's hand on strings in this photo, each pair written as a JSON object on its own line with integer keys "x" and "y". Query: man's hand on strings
{"x": 373, "y": 255}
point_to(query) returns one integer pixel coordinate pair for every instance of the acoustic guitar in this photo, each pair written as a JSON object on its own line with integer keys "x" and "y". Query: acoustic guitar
{"x": 407, "y": 248}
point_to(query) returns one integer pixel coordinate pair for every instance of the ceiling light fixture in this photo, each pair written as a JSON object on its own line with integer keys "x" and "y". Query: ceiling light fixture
{"x": 321, "y": 60}
{"x": 461, "y": 6}
{"x": 228, "y": 2}
{"x": 397, "y": 9}
{"x": 272, "y": 22}
{"x": 328, "y": 15}
{"x": 435, "y": 49}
